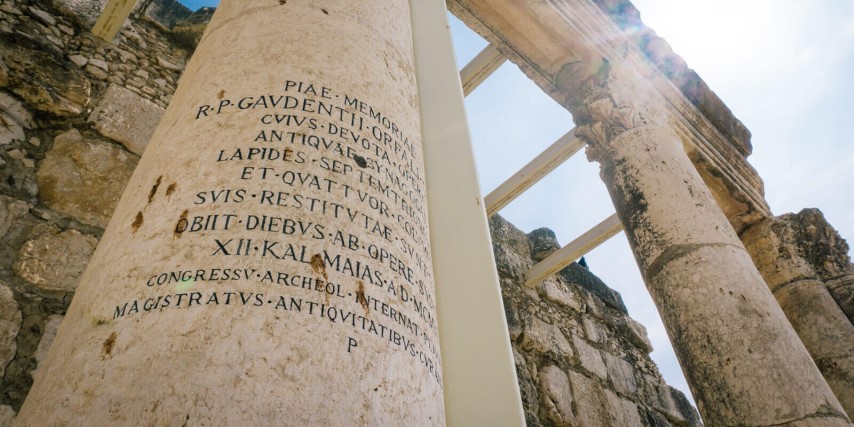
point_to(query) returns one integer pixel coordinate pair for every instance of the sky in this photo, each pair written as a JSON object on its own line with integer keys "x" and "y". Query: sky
{"x": 784, "y": 67}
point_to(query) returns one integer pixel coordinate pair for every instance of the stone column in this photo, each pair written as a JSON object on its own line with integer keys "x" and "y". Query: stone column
{"x": 782, "y": 256}
{"x": 269, "y": 263}
{"x": 742, "y": 359}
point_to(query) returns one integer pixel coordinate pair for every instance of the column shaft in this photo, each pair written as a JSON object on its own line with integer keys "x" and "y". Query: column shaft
{"x": 269, "y": 263}
{"x": 782, "y": 255}
{"x": 745, "y": 364}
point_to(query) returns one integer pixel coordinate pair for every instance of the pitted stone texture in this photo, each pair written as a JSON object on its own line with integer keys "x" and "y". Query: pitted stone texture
{"x": 10, "y": 324}
{"x": 621, "y": 411}
{"x": 636, "y": 333}
{"x": 590, "y": 400}
{"x": 591, "y": 358}
{"x": 44, "y": 82}
{"x": 543, "y": 243}
{"x": 7, "y": 415}
{"x": 53, "y": 259}
{"x": 126, "y": 117}
{"x": 557, "y": 292}
{"x": 722, "y": 351}
{"x": 513, "y": 257}
{"x": 10, "y": 210}
{"x": 84, "y": 178}
{"x": 580, "y": 276}
{"x": 620, "y": 375}
{"x": 557, "y": 396}
{"x": 51, "y": 326}
{"x": 542, "y": 337}
{"x": 14, "y": 119}
{"x": 593, "y": 330}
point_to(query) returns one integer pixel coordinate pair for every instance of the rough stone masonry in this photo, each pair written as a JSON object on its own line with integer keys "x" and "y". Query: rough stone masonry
{"x": 75, "y": 115}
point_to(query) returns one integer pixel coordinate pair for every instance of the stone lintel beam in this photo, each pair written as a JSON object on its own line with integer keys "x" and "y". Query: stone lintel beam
{"x": 794, "y": 260}
{"x": 559, "y": 44}
{"x": 744, "y": 362}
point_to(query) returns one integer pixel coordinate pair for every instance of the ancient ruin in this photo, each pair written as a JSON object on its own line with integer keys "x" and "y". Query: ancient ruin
{"x": 268, "y": 260}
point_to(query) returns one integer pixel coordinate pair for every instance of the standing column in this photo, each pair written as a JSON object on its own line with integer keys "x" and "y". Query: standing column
{"x": 745, "y": 364}
{"x": 269, "y": 263}
{"x": 779, "y": 250}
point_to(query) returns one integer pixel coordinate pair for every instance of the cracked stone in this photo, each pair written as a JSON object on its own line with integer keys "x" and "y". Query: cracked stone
{"x": 53, "y": 259}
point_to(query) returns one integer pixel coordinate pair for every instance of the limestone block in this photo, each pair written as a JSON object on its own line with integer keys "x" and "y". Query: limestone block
{"x": 593, "y": 330}
{"x": 45, "y": 82}
{"x": 583, "y": 278}
{"x": 622, "y": 412}
{"x": 79, "y": 60}
{"x": 542, "y": 337}
{"x": 84, "y": 178}
{"x": 42, "y": 16}
{"x": 51, "y": 325}
{"x": 14, "y": 118}
{"x": 13, "y": 108}
{"x": 842, "y": 290}
{"x": 7, "y": 415}
{"x": 543, "y": 243}
{"x": 53, "y": 259}
{"x": 635, "y": 332}
{"x": 170, "y": 64}
{"x": 10, "y": 324}
{"x": 556, "y": 292}
{"x": 621, "y": 375}
{"x": 591, "y": 359}
{"x": 557, "y": 396}
{"x": 589, "y": 401}
{"x": 126, "y": 117}
{"x": 10, "y": 210}
{"x": 770, "y": 241}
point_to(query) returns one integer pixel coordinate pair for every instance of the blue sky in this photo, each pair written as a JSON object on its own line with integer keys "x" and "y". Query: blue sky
{"x": 785, "y": 68}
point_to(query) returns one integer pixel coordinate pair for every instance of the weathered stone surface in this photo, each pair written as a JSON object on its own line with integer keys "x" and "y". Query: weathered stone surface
{"x": 621, "y": 411}
{"x": 591, "y": 358}
{"x": 51, "y": 326}
{"x": 7, "y": 415}
{"x": 14, "y": 118}
{"x": 593, "y": 330}
{"x": 10, "y": 324}
{"x": 636, "y": 334}
{"x": 512, "y": 258}
{"x": 188, "y": 31}
{"x": 557, "y": 396}
{"x": 795, "y": 254}
{"x": 10, "y": 210}
{"x": 126, "y": 117}
{"x": 589, "y": 399}
{"x": 620, "y": 375}
{"x": 42, "y": 16}
{"x": 167, "y": 12}
{"x": 84, "y": 177}
{"x": 541, "y": 337}
{"x": 44, "y": 81}
{"x": 582, "y": 277}
{"x": 557, "y": 292}
{"x": 543, "y": 243}
{"x": 53, "y": 259}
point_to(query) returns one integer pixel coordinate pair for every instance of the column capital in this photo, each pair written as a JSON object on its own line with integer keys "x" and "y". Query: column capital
{"x": 610, "y": 102}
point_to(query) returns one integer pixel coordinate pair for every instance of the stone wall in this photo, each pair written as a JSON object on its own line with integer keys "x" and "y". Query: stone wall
{"x": 580, "y": 358}
{"x": 75, "y": 115}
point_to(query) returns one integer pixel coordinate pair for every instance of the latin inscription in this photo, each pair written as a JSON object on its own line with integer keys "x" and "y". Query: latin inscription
{"x": 325, "y": 209}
